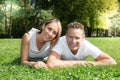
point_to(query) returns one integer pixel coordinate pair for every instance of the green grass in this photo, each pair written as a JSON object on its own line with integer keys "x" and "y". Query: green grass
{"x": 11, "y": 69}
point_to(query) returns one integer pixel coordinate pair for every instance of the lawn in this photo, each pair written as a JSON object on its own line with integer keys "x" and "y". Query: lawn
{"x": 11, "y": 69}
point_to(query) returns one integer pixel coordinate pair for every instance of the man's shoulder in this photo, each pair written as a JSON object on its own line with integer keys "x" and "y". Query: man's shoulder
{"x": 86, "y": 41}
{"x": 62, "y": 38}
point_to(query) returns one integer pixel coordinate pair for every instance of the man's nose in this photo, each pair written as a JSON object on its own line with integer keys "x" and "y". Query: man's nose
{"x": 73, "y": 40}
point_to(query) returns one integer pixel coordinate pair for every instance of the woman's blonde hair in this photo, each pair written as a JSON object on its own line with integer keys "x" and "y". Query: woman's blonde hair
{"x": 55, "y": 40}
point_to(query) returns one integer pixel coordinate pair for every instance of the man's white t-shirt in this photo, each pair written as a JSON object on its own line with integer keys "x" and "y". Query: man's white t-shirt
{"x": 35, "y": 54}
{"x": 86, "y": 49}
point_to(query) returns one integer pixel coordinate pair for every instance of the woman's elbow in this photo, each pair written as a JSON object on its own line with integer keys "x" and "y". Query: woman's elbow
{"x": 23, "y": 62}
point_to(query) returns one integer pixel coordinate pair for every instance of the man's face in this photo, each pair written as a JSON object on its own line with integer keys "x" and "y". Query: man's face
{"x": 74, "y": 38}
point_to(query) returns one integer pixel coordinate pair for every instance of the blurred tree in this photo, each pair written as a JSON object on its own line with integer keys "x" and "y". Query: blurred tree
{"x": 2, "y": 26}
{"x": 115, "y": 27}
{"x": 18, "y": 16}
{"x": 8, "y": 7}
{"x": 29, "y": 15}
{"x": 41, "y": 4}
{"x": 94, "y": 14}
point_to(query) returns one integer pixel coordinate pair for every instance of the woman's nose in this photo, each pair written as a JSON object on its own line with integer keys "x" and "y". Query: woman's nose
{"x": 51, "y": 33}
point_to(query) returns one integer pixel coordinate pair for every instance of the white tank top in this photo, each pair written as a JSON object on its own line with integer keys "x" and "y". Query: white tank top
{"x": 34, "y": 53}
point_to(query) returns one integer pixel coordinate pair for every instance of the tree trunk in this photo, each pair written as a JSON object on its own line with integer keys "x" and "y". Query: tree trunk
{"x": 6, "y": 26}
{"x": 10, "y": 22}
{"x": 89, "y": 32}
{"x": 114, "y": 32}
{"x": 97, "y": 32}
{"x": 106, "y": 33}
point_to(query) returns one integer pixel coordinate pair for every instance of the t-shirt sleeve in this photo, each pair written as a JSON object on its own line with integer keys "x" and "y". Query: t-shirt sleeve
{"x": 92, "y": 50}
{"x": 58, "y": 47}
{"x": 31, "y": 31}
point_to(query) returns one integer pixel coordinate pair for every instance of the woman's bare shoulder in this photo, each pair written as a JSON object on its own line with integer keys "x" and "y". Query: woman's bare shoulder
{"x": 26, "y": 38}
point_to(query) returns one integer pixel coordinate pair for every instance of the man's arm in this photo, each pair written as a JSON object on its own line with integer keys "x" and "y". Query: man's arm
{"x": 54, "y": 61}
{"x": 103, "y": 59}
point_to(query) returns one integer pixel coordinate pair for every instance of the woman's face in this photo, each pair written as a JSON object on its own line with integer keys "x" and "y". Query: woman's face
{"x": 50, "y": 31}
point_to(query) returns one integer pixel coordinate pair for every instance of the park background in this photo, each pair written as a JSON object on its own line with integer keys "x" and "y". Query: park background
{"x": 101, "y": 19}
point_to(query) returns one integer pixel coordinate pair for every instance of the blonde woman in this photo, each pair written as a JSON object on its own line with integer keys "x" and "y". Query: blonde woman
{"x": 36, "y": 44}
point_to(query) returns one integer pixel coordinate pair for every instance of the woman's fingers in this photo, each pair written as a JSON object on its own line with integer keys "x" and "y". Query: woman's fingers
{"x": 39, "y": 64}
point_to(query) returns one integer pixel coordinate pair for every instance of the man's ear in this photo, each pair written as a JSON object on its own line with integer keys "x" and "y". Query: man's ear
{"x": 83, "y": 36}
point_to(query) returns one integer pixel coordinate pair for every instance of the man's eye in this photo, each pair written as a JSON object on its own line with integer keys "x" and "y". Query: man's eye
{"x": 77, "y": 38}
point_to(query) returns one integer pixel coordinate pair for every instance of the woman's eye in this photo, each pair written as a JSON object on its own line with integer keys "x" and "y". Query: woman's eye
{"x": 55, "y": 33}
{"x": 52, "y": 30}
{"x": 49, "y": 28}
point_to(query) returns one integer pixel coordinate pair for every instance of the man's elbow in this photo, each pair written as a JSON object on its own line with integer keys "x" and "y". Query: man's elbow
{"x": 113, "y": 62}
{"x": 53, "y": 63}
{"x": 50, "y": 64}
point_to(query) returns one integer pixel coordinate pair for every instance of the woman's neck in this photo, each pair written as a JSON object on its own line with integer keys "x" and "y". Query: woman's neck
{"x": 39, "y": 38}
{"x": 39, "y": 41}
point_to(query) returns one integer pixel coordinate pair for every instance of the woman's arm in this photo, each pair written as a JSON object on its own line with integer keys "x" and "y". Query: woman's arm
{"x": 24, "y": 50}
{"x": 24, "y": 53}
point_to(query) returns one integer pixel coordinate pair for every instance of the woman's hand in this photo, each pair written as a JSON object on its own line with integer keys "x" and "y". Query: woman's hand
{"x": 39, "y": 64}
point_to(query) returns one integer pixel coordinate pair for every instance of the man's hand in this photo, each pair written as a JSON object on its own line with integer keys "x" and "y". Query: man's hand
{"x": 83, "y": 63}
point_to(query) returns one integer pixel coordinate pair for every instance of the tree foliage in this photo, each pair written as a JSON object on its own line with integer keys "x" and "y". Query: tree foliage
{"x": 92, "y": 13}
{"x": 18, "y": 16}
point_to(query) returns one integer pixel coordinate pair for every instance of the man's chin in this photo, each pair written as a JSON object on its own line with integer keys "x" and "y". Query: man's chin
{"x": 74, "y": 49}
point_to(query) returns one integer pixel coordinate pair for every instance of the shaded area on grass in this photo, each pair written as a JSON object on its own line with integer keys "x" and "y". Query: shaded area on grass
{"x": 16, "y": 61}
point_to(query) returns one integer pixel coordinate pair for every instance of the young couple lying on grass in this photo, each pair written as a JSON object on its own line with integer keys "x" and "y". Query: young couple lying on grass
{"x": 68, "y": 50}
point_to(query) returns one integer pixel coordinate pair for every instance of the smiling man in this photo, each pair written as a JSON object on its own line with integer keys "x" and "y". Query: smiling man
{"x": 72, "y": 49}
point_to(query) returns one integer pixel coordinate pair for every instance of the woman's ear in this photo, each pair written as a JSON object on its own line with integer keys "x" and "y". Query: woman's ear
{"x": 43, "y": 26}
